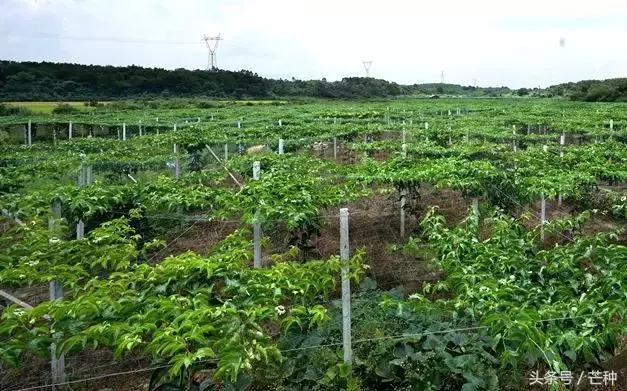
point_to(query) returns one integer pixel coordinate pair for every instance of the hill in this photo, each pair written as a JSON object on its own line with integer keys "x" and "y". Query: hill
{"x": 45, "y": 81}
{"x": 610, "y": 90}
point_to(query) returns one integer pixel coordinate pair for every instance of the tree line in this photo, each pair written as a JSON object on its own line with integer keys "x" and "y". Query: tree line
{"x": 610, "y": 90}
{"x": 45, "y": 81}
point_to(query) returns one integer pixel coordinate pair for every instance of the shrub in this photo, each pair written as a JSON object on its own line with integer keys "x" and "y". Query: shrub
{"x": 65, "y": 108}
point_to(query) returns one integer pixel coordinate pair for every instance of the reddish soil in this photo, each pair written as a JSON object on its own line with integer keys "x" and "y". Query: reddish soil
{"x": 199, "y": 237}
{"x": 374, "y": 226}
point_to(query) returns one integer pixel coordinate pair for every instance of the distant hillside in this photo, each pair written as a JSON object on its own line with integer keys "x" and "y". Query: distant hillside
{"x": 458, "y": 90}
{"x": 610, "y": 90}
{"x": 45, "y": 81}
{"x": 25, "y": 81}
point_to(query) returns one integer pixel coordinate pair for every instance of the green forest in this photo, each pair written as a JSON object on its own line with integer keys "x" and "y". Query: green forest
{"x": 45, "y": 81}
{"x": 31, "y": 81}
{"x": 610, "y": 90}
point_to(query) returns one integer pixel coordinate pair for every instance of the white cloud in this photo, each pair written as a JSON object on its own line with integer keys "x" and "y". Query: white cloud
{"x": 495, "y": 42}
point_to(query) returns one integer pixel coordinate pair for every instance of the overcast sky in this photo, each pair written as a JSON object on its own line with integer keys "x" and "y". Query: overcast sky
{"x": 515, "y": 43}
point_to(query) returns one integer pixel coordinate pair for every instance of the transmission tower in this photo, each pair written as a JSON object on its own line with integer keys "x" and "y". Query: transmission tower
{"x": 212, "y": 46}
{"x": 367, "y": 65}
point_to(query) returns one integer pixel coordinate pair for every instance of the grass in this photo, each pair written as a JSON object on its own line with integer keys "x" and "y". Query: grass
{"x": 46, "y": 107}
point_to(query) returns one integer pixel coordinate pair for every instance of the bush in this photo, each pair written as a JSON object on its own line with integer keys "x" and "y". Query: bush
{"x": 6, "y": 110}
{"x": 65, "y": 108}
{"x": 93, "y": 103}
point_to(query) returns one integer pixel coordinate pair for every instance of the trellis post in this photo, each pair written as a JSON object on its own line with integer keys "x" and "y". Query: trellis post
{"x": 402, "y": 211}
{"x": 562, "y": 142}
{"x": 124, "y": 132}
{"x": 542, "y": 216}
{"x": 281, "y": 146}
{"x": 29, "y": 134}
{"x": 84, "y": 179}
{"x": 57, "y": 363}
{"x": 346, "y": 288}
{"x": 256, "y": 223}
{"x": 177, "y": 162}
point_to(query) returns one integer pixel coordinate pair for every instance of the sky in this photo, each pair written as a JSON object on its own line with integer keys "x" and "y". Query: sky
{"x": 517, "y": 44}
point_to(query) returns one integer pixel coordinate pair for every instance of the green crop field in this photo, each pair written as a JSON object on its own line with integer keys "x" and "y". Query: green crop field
{"x": 195, "y": 248}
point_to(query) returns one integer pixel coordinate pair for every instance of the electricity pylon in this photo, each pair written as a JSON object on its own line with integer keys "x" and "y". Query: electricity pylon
{"x": 212, "y": 46}
{"x": 367, "y": 65}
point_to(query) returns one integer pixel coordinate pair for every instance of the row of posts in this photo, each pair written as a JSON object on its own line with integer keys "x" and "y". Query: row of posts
{"x": 28, "y": 140}
{"x": 28, "y": 136}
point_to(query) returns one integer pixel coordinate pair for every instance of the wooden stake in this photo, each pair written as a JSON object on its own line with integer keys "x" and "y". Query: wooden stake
{"x": 15, "y": 300}
{"x": 280, "y": 146}
{"x": 224, "y": 166}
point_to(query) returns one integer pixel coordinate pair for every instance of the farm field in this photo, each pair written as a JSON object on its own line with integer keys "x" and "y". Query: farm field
{"x": 199, "y": 248}
{"x": 47, "y": 107}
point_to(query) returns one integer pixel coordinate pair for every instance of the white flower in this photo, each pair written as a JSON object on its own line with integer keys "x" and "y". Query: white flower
{"x": 280, "y": 309}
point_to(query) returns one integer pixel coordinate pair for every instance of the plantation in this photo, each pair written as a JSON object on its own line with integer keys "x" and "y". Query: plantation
{"x": 191, "y": 248}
